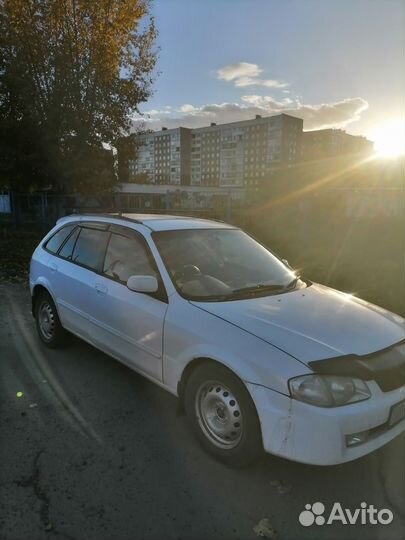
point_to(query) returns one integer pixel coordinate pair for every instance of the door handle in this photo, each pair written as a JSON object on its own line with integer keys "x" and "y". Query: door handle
{"x": 53, "y": 267}
{"x": 100, "y": 288}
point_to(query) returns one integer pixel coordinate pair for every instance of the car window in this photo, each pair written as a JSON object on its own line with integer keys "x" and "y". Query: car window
{"x": 90, "y": 248}
{"x": 67, "y": 248}
{"x": 226, "y": 263}
{"x": 54, "y": 243}
{"x": 127, "y": 256}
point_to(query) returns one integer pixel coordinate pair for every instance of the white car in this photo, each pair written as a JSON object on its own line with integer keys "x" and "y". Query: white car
{"x": 260, "y": 358}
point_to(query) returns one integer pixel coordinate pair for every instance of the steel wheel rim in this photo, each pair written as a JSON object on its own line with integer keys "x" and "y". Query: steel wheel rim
{"x": 46, "y": 320}
{"x": 219, "y": 414}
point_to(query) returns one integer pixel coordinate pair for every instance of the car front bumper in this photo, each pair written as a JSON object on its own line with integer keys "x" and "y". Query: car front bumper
{"x": 319, "y": 436}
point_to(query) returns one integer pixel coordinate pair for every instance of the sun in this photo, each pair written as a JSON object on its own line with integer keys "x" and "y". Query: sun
{"x": 389, "y": 138}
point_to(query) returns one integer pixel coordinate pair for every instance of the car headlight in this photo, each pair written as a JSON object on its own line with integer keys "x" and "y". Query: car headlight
{"x": 328, "y": 390}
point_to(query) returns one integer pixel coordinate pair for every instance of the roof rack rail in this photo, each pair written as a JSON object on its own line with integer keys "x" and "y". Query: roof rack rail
{"x": 105, "y": 214}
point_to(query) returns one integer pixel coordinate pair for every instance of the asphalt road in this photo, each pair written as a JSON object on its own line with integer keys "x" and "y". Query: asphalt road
{"x": 91, "y": 450}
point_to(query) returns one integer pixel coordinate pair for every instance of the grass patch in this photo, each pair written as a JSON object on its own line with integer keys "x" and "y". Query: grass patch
{"x": 16, "y": 248}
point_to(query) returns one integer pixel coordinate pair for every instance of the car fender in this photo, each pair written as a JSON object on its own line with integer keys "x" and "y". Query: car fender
{"x": 191, "y": 333}
{"x": 43, "y": 282}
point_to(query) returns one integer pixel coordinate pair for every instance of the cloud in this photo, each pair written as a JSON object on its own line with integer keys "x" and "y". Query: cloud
{"x": 187, "y": 108}
{"x": 250, "y": 81}
{"x": 266, "y": 102}
{"x": 244, "y": 74}
{"x": 236, "y": 71}
{"x": 159, "y": 112}
{"x": 336, "y": 114}
{"x": 272, "y": 83}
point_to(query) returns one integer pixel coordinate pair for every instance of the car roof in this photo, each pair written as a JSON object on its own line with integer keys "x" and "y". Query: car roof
{"x": 154, "y": 222}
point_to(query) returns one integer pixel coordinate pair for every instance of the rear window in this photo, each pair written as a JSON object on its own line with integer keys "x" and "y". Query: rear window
{"x": 54, "y": 243}
{"x": 67, "y": 249}
{"x": 90, "y": 248}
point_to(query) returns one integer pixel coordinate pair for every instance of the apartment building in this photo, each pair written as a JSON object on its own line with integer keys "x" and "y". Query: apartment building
{"x": 328, "y": 143}
{"x": 241, "y": 153}
{"x": 236, "y": 154}
{"x": 161, "y": 157}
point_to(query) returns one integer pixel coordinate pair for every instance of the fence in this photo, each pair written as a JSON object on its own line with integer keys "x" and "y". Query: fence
{"x": 44, "y": 208}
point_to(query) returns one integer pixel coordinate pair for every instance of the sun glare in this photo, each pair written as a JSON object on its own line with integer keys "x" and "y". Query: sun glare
{"x": 389, "y": 138}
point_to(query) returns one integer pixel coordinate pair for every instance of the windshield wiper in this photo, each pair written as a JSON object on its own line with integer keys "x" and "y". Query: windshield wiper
{"x": 259, "y": 287}
{"x": 262, "y": 287}
{"x": 293, "y": 282}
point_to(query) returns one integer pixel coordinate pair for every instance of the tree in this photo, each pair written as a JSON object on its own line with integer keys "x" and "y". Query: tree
{"x": 72, "y": 72}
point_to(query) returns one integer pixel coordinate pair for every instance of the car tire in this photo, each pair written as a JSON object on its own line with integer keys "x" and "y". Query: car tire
{"x": 222, "y": 414}
{"x": 47, "y": 321}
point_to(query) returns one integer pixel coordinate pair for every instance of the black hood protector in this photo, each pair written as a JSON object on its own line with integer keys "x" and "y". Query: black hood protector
{"x": 386, "y": 367}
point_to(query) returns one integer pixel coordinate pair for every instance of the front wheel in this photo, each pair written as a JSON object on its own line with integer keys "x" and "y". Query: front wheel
{"x": 222, "y": 414}
{"x": 47, "y": 321}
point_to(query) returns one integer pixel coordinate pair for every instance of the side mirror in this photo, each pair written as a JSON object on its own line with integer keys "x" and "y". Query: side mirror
{"x": 286, "y": 263}
{"x": 143, "y": 284}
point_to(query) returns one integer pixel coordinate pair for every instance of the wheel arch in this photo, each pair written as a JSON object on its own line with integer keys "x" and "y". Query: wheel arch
{"x": 36, "y": 291}
{"x": 196, "y": 362}
{"x": 188, "y": 369}
{"x": 193, "y": 364}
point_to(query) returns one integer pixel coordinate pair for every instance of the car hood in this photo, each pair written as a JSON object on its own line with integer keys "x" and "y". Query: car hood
{"x": 313, "y": 323}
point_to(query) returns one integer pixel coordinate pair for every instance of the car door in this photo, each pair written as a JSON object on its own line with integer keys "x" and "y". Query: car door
{"x": 77, "y": 262}
{"x": 47, "y": 266}
{"x": 125, "y": 323}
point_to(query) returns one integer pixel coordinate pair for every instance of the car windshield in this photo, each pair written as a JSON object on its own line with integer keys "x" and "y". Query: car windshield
{"x": 221, "y": 264}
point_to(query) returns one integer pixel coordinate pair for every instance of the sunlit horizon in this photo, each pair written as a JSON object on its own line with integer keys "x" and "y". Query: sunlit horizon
{"x": 389, "y": 138}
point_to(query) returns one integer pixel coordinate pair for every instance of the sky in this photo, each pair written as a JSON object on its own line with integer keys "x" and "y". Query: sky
{"x": 335, "y": 63}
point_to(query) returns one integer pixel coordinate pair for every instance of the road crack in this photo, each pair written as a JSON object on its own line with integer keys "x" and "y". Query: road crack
{"x": 34, "y": 481}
